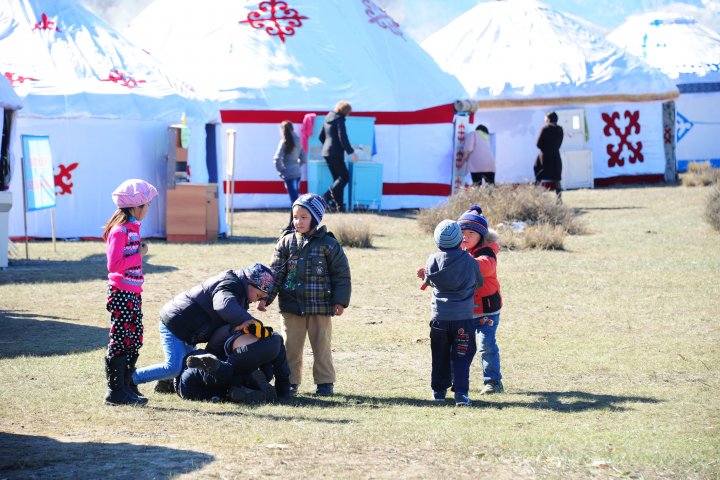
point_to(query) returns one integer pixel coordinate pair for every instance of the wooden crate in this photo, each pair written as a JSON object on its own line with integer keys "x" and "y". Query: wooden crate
{"x": 192, "y": 213}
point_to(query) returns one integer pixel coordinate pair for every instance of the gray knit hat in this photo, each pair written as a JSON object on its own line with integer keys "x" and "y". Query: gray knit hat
{"x": 447, "y": 235}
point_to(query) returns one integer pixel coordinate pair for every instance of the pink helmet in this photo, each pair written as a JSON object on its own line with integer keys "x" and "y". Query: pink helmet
{"x": 133, "y": 193}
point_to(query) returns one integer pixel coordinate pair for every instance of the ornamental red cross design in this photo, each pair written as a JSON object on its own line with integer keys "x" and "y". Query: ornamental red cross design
{"x": 62, "y": 179}
{"x": 116, "y": 76}
{"x": 276, "y": 18}
{"x": 614, "y": 151}
{"x": 46, "y": 24}
{"x": 381, "y": 18}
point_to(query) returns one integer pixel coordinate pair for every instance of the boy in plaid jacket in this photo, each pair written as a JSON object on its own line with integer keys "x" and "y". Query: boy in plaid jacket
{"x": 312, "y": 281}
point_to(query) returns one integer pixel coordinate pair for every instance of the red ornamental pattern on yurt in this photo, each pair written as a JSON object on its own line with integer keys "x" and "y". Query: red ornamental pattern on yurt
{"x": 116, "y": 76}
{"x": 276, "y": 17}
{"x": 615, "y": 150}
{"x": 378, "y": 16}
{"x": 16, "y": 79}
{"x": 63, "y": 185}
{"x": 46, "y": 24}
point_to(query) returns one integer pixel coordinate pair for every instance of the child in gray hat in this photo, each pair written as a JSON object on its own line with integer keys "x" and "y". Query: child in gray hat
{"x": 453, "y": 275}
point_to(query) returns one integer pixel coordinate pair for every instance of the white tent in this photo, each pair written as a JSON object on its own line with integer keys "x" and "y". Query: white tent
{"x": 106, "y": 106}
{"x": 303, "y": 56}
{"x": 519, "y": 59}
{"x": 689, "y": 53}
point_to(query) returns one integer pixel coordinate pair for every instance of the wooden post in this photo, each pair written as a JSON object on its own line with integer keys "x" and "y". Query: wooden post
{"x": 230, "y": 169}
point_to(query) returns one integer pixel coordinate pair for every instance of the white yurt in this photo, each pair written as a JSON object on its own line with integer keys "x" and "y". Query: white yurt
{"x": 304, "y": 56}
{"x": 688, "y": 53}
{"x": 519, "y": 59}
{"x": 105, "y": 105}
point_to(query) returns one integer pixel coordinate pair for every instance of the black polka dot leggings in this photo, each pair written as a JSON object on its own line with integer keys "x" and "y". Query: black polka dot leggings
{"x": 126, "y": 328}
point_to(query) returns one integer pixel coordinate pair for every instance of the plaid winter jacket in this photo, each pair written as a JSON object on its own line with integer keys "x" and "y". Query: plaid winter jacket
{"x": 312, "y": 274}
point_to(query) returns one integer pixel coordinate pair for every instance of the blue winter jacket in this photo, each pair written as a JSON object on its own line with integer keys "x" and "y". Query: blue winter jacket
{"x": 453, "y": 275}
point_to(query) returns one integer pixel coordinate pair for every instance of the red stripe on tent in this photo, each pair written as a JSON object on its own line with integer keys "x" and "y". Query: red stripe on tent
{"x": 431, "y": 189}
{"x": 630, "y": 179}
{"x": 278, "y": 187}
{"x": 439, "y": 114}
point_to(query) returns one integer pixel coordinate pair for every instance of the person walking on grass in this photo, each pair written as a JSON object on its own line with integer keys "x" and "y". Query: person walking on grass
{"x": 481, "y": 243}
{"x": 335, "y": 144}
{"x": 453, "y": 275}
{"x": 313, "y": 284}
{"x": 125, "y": 251}
{"x": 193, "y": 316}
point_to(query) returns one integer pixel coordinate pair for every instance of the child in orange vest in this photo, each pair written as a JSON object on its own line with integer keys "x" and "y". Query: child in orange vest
{"x": 482, "y": 243}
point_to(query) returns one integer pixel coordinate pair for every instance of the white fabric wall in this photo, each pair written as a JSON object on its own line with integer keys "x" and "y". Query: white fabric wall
{"x": 702, "y": 139}
{"x": 107, "y": 152}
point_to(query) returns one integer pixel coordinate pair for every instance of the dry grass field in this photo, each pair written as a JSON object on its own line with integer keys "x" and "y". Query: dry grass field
{"x": 610, "y": 351}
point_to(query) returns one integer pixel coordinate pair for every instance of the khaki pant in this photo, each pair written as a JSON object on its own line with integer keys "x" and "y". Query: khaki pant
{"x": 319, "y": 329}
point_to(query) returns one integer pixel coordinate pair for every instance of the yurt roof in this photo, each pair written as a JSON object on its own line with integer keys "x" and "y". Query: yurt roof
{"x": 63, "y": 61}
{"x": 682, "y": 48}
{"x": 8, "y": 97}
{"x": 522, "y": 52}
{"x": 299, "y": 54}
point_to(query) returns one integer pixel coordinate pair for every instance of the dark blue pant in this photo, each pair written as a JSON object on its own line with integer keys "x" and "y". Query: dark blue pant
{"x": 453, "y": 347}
{"x": 341, "y": 177}
{"x": 267, "y": 354}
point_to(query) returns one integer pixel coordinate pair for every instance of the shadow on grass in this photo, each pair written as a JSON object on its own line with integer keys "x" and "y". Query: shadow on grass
{"x": 27, "y": 456}
{"x": 567, "y": 402}
{"x": 41, "y": 336}
{"x": 574, "y": 401}
{"x": 92, "y": 267}
{"x": 249, "y": 239}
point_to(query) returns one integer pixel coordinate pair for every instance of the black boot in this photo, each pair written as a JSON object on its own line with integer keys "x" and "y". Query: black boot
{"x": 259, "y": 379}
{"x": 132, "y": 359}
{"x": 118, "y": 393}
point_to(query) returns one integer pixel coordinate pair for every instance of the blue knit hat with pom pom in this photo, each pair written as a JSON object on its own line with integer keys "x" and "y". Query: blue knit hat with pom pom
{"x": 474, "y": 220}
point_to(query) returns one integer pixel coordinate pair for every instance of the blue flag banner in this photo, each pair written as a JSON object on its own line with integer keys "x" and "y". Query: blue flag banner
{"x": 39, "y": 178}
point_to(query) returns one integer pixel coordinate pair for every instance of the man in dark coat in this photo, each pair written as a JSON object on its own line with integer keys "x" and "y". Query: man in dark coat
{"x": 336, "y": 143}
{"x": 548, "y": 165}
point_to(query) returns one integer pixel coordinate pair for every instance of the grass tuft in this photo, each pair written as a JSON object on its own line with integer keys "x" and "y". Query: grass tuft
{"x": 712, "y": 208}
{"x": 700, "y": 174}
{"x": 526, "y": 216}
{"x": 352, "y": 232}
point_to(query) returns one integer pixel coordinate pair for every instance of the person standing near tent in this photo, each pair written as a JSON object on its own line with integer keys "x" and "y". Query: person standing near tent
{"x": 479, "y": 157}
{"x": 335, "y": 143}
{"x": 125, "y": 251}
{"x": 290, "y": 156}
{"x": 548, "y": 164}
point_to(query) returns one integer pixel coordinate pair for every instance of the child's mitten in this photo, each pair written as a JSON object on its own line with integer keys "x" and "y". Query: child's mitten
{"x": 258, "y": 329}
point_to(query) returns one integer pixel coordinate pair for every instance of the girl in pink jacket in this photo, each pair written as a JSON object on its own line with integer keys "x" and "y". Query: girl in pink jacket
{"x": 125, "y": 250}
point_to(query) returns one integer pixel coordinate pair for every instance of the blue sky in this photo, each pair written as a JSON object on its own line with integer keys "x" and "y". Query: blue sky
{"x": 420, "y": 18}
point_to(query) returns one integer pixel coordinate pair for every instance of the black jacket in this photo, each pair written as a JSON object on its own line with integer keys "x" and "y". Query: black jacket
{"x": 195, "y": 314}
{"x": 334, "y": 137}
{"x": 548, "y": 165}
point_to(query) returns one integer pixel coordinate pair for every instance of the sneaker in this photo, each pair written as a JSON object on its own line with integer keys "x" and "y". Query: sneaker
{"x": 439, "y": 395}
{"x": 165, "y": 386}
{"x": 491, "y": 388}
{"x": 204, "y": 361}
{"x": 325, "y": 390}
{"x": 462, "y": 400}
